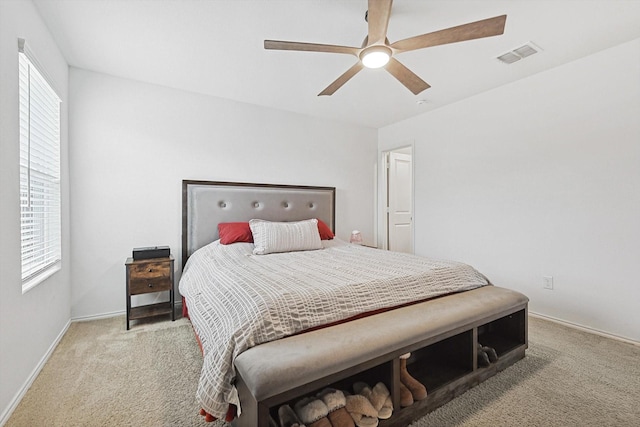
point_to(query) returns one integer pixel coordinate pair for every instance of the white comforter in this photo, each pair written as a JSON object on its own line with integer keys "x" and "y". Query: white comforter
{"x": 237, "y": 300}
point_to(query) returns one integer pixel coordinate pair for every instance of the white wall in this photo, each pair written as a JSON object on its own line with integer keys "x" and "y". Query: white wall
{"x": 31, "y": 323}
{"x": 540, "y": 177}
{"x": 132, "y": 144}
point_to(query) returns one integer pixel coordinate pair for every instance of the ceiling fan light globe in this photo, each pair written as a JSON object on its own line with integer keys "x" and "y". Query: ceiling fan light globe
{"x": 375, "y": 57}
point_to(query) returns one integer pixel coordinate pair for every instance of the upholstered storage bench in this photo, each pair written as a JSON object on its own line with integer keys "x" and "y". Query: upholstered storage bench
{"x": 440, "y": 333}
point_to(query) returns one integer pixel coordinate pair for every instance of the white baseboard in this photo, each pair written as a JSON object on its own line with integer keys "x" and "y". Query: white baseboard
{"x": 177, "y": 306}
{"x": 99, "y": 316}
{"x": 4, "y": 417}
{"x": 584, "y": 328}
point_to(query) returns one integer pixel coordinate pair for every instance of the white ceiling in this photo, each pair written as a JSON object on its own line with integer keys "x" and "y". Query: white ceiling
{"x": 215, "y": 47}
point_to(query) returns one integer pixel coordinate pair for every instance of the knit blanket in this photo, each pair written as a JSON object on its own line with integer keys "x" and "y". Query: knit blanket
{"x": 237, "y": 300}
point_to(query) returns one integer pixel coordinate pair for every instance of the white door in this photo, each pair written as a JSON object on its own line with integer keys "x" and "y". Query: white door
{"x": 400, "y": 235}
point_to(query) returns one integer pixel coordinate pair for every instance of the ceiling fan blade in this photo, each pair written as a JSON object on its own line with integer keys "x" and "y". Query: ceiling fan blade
{"x": 378, "y": 19}
{"x": 309, "y": 47}
{"x": 474, "y": 30}
{"x": 337, "y": 84}
{"x": 405, "y": 76}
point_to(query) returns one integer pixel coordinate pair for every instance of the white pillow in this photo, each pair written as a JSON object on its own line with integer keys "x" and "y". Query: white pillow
{"x": 270, "y": 237}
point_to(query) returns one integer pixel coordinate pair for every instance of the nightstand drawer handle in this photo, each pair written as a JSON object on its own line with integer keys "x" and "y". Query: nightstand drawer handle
{"x": 150, "y": 270}
{"x": 151, "y": 285}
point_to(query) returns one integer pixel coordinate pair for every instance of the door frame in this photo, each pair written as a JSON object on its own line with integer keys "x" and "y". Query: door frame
{"x": 382, "y": 220}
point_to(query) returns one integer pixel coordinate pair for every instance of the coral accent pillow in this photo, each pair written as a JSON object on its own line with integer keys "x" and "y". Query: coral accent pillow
{"x": 233, "y": 232}
{"x": 325, "y": 231}
{"x": 271, "y": 237}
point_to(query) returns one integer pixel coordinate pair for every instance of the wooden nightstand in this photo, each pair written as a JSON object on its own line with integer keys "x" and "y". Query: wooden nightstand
{"x": 147, "y": 276}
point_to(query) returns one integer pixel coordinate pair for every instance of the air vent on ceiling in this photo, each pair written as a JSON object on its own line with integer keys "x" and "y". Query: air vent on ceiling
{"x": 519, "y": 53}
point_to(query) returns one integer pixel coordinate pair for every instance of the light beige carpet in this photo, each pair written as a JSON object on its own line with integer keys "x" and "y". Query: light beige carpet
{"x": 102, "y": 375}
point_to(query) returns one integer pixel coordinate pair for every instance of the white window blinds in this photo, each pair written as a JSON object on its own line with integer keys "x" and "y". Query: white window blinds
{"x": 39, "y": 174}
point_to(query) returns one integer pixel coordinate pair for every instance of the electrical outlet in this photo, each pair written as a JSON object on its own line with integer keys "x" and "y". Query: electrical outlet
{"x": 547, "y": 282}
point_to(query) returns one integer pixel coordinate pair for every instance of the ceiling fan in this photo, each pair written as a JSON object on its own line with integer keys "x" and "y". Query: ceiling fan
{"x": 376, "y": 51}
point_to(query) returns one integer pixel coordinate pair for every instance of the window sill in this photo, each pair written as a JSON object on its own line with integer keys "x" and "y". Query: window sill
{"x": 35, "y": 281}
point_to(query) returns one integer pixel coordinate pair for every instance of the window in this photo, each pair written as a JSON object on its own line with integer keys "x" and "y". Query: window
{"x": 39, "y": 173}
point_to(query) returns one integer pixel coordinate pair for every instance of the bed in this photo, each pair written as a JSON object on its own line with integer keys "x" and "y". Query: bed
{"x": 259, "y": 316}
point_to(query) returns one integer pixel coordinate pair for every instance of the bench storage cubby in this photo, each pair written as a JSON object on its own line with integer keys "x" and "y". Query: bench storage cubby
{"x": 441, "y": 334}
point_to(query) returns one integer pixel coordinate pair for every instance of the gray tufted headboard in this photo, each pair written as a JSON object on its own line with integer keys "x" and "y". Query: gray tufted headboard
{"x": 205, "y": 204}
